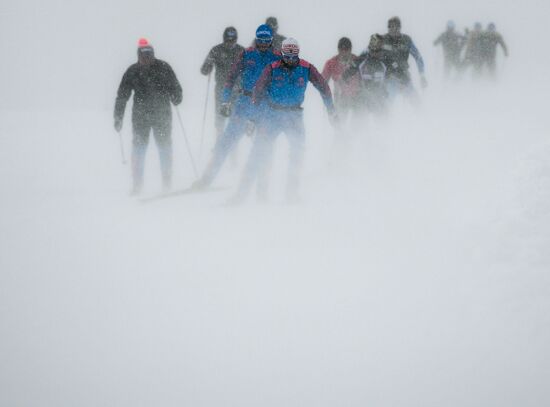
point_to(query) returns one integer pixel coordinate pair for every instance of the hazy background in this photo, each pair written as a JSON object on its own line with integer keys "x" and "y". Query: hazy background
{"x": 415, "y": 272}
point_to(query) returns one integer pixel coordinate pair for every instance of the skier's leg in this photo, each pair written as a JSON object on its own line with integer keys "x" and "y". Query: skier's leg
{"x": 233, "y": 132}
{"x": 163, "y": 137}
{"x": 139, "y": 148}
{"x": 260, "y": 156}
{"x": 492, "y": 66}
{"x": 296, "y": 137}
{"x": 446, "y": 67}
{"x": 265, "y": 163}
{"x": 393, "y": 87}
{"x": 257, "y": 166}
{"x": 220, "y": 120}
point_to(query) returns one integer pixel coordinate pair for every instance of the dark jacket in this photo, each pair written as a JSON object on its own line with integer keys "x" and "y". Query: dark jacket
{"x": 222, "y": 58}
{"x": 452, "y": 43}
{"x": 397, "y": 51}
{"x": 154, "y": 86}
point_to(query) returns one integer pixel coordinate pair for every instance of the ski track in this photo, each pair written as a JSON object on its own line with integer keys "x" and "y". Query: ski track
{"x": 414, "y": 272}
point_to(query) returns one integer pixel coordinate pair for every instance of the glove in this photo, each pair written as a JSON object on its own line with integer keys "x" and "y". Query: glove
{"x": 225, "y": 109}
{"x": 118, "y": 124}
{"x": 176, "y": 100}
{"x": 423, "y": 82}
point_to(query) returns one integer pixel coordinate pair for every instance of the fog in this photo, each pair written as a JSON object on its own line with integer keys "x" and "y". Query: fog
{"x": 415, "y": 271}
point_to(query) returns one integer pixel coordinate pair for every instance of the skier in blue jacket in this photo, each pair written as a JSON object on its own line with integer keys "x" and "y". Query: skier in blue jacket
{"x": 281, "y": 89}
{"x": 248, "y": 67}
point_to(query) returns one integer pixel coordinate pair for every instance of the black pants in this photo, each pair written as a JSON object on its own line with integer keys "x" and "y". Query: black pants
{"x": 161, "y": 125}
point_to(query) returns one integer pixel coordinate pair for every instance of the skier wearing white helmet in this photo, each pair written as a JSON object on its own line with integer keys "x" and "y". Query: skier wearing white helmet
{"x": 283, "y": 85}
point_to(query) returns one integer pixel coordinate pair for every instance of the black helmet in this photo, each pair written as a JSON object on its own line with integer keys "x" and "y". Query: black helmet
{"x": 272, "y": 22}
{"x": 344, "y": 44}
{"x": 230, "y": 34}
{"x": 375, "y": 42}
{"x": 394, "y": 22}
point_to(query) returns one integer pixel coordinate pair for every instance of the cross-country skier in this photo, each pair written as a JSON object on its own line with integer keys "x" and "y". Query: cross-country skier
{"x": 155, "y": 86}
{"x": 248, "y": 66}
{"x": 398, "y": 47}
{"x": 371, "y": 68}
{"x": 474, "y": 50}
{"x": 489, "y": 42}
{"x": 282, "y": 85}
{"x": 222, "y": 57}
{"x": 346, "y": 92}
{"x": 452, "y": 43}
{"x": 373, "y": 72}
{"x": 277, "y": 38}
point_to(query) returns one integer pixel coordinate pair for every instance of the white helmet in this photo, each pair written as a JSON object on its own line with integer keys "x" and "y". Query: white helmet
{"x": 290, "y": 47}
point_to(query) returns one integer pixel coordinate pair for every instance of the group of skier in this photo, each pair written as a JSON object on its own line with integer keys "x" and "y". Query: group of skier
{"x": 263, "y": 90}
{"x": 365, "y": 83}
{"x": 260, "y": 90}
{"x": 475, "y": 49}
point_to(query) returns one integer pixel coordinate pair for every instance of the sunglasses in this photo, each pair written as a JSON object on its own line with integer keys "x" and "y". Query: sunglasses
{"x": 264, "y": 41}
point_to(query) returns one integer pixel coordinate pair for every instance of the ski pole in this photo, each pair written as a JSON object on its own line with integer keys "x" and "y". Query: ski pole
{"x": 187, "y": 144}
{"x": 122, "y": 155}
{"x": 204, "y": 114}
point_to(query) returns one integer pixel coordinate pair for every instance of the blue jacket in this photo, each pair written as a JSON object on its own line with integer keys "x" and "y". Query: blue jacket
{"x": 285, "y": 86}
{"x": 249, "y": 65}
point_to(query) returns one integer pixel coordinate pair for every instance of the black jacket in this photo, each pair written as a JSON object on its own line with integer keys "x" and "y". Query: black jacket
{"x": 221, "y": 57}
{"x": 154, "y": 86}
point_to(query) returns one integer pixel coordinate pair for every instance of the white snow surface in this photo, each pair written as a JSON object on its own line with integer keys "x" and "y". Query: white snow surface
{"x": 415, "y": 272}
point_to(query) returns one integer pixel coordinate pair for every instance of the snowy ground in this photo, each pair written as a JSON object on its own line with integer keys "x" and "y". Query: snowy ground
{"x": 414, "y": 273}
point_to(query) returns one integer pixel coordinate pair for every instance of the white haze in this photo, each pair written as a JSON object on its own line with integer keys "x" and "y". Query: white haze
{"x": 415, "y": 272}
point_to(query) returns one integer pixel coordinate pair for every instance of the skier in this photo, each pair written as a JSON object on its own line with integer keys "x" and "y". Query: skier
{"x": 282, "y": 85}
{"x": 474, "y": 50}
{"x": 452, "y": 43}
{"x": 222, "y": 57}
{"x": 373, "y": 71}
{"x": 490, "y": 40}
{"x": 346, "y": 92}
{"x": 155, "y": 86}
{"x": 398, "y": 47}
{"x": 248, "y": 66}
{"x": 277, "y": 38}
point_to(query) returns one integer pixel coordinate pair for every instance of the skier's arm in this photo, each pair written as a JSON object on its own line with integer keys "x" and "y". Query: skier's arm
{"x": 123, "y": 94}
{"x": 261, "y": 85}
{"x": 327, "y": 70}
{"x": 417, "y": 57}
{"x": 355, "y": 65}
{"x": 174, "y": 86}
{"x": 321, "y": 85}
{"x": 208, "y": 64}
{"x": 438, "y": 40}
{"x": 236, "y": 70}
{"x": 503, "y": 45}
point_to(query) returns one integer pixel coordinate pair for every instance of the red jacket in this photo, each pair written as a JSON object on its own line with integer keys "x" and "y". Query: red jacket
{"x": 334, "y": 68}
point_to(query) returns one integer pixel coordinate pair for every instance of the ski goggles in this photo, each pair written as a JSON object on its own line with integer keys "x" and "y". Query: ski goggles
{"x": 263, "y": 41}
{"x": 147, "y": 50}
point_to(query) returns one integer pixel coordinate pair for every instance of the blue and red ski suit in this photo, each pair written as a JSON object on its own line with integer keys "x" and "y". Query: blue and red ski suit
{"x": 249, "y": 67}
{"x": 281, "y": 88}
